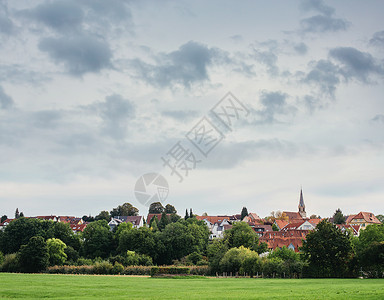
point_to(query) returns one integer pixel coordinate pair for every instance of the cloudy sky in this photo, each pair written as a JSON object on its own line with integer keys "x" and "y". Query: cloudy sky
{"x": 93, "y": 94}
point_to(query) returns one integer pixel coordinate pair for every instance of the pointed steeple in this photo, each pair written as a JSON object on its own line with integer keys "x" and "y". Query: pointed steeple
{"x": 302, "y": 212}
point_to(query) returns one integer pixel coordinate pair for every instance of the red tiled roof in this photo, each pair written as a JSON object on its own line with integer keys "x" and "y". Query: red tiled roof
{"x": 6, "y": 221}
{"x": 278, "y": 239}
{"x": 213, "y": 219}
{"x": 150, "y": 216}
{"x": 314, "y": 222}
{"x": 293, "y": 226}
{"x": 367, "y": 216}
{"x": 355, "y": 228}
{"x": 292, "y": 215}
{"x": 254, "y": 216}
{"x": 281, "y": 223}
{"x": 78, "y": 227}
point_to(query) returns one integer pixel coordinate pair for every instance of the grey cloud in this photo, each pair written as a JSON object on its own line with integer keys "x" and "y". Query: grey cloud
{"x": 317, "y": 6}
{"x": 59, "y": 15}
{"x": 186, "y": 66}
{"x": 6, "y": 24}
{"x": 47, "y": 119}
{"x": 236, "y": 38}
{"x": 355, "y": 63}
{"x": 322, "y": 23}
{"x": 378, "y": 118}
{"x": 114, "y": 10}
{"x": 377, "y": 39}
{"x": 312, "y": 103}
{"x": 275, "y": 108}
{"x": 228, "y": 155}
{"x": 301, "y": 48}
{"x": 18, "y": 74}
{"x": 323, "y": 74}
{"x": 116, "y": 113}
{"x": 180, "y": 115}
{"x": 80, "y": 54}
{"x": 269, "y": 59}
{"x": 6, "y": 101}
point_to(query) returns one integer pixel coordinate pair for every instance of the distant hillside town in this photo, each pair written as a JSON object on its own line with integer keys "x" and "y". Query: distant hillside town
{"x": 280, "y": 229}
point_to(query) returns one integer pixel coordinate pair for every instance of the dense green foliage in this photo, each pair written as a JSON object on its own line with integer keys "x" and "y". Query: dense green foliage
{"x": 329, "y": 251}
{"x": 34, "y": 256}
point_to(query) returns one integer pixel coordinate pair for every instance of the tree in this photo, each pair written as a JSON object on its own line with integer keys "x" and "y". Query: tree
{"x": 64, "y": 232}
{"x": 34, "y": 257}
{"x": 338, "y": 217}
{"x": 19, "y": 232}
{"x": 277, "y": 215}
{"x": 373, "y": 233}
{"x": 3, "y": 218}
{"x": 21, "y": 215}
{"x": 103, "y": 215}
{"x": 127, "y": 209}
{"x": 241, "y": 234}
{"x": 215, "y": 252}
{"x": 244, "y": 213}
{"x": 156, "y": 208}
{"x": 274, "y": 227}
{"x": 164, "y": 221}
{"x": 233, "y": 260}
{"x": 56, "y": 251}
{"x": 170, "y": 209}
{"x": 328, "y": 250}
{"x": 380, "y": 218}
{"x": 141, "y": 240}
{"x": 186, "y": 214}
{"x": 88, "y": 218}
{"x": 314, "y": 217}
{"x": 97, "y": 239}
{"x": 191, "y": 213}
{"x": 17, "y": 214}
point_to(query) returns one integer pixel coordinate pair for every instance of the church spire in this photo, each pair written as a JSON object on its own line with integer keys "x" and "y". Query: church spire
{"x": 302, "y": 212}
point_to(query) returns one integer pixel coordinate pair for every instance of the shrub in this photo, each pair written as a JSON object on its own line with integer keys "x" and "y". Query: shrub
{"x": 104, "y": 267}
{"x": 117, "y": 268}
{"x": 1, "y": 257}
{"x": 10, "y": 263}
{"x": 169, "y": 270}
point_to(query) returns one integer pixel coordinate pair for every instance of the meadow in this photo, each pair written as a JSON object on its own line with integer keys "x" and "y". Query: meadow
{"x": 30, "y": 286}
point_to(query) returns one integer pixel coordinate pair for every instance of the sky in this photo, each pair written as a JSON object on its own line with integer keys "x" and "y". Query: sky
{"x": 94, "y": 94}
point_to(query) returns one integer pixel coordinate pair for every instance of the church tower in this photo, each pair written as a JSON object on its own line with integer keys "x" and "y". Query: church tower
{"x": 302, "y": 212}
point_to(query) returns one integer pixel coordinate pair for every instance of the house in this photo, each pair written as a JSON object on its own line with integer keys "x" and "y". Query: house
{"x": 354, "y": 228}
{"x": 363, "y": 219}
{"x": 261, "y": 229}
{"x": 70, "y": 220}
{"x": 252, "y": 217}
{"x": 47, "y": 218}
{"x": 158, "y": 216}
{"x": 280, "y": 223}
{"x": 218, "y": 229}
{"x": 5, "y": 223}
{"x": 136, "y": 221}
{"x": 292, "y": 239}
{"x": 76, "y": 228}
{"x": 217, "y": 224}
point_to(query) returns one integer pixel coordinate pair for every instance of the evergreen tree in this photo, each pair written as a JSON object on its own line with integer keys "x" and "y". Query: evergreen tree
{"x": 17, "y": 214}
{"x": 338, "y": 217}
{"x": 190, "y": 213}
{"x": 186, "y": 214}
{"x": 3, "y": 218}
{"x": 244, "y": 213}
{"x": 21, "y": 214}
{"x": 163, "y": 221}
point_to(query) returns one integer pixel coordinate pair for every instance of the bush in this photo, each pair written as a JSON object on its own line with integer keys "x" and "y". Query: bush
{"x": 10, "y": 263}
{"x": 117, "y": 268}
{"x": 1, "y": 257}
{"x": 200, "y": 270}
{"x": 104, "y": 267}
{"x": 169, "y": 270}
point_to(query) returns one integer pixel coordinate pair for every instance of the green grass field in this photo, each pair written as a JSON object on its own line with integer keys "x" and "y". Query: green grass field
{"x": 119, "y": 287}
